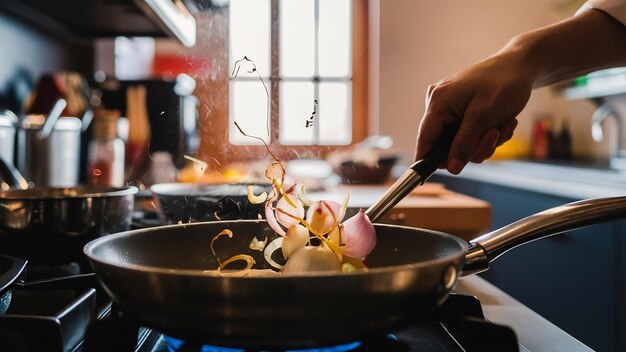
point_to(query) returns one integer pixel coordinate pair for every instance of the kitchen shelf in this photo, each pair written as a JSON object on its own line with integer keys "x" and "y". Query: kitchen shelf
{"x": 84, "y": 20}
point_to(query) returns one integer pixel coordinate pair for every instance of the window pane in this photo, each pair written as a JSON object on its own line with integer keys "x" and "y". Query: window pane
{"x": 335, "y": 38}
{"x": 248, "y": 106}
{"x": 249, "y": 33}
{"x": 296, "y": 107}
{"x": 335, "y": 112}
{"x": 297, "y": 38}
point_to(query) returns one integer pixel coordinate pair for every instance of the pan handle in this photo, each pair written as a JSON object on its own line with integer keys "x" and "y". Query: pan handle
{"x": 414, "y": 176}
{"x": 567, "y": 217}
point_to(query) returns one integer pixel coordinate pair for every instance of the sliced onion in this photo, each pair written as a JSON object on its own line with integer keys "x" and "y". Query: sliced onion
{"x": 257, "y": 245}
{"x": 312, "y": 259}
{"x": 270, "y": 249}
{"x": 247, "y": 258}
{"x": 358, "y": 235}
{"x": 302, "y": 195}
{"x": 323, "y": 215}
{"x": 225, "y": 232}
{"x": 334, "y": 247}
{"x": 254, "y": 199}
{"x": 344, "y": 207}
{"x": 295, "y": 212}
{"x": 297, "y": 237}
{"x": 270, "y": 216}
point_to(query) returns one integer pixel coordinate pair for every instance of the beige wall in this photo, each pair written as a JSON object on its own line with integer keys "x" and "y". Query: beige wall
{"x": 422, "y": 41}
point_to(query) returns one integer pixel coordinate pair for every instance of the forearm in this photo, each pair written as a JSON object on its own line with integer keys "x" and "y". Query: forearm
{"x": 590, "y": 41}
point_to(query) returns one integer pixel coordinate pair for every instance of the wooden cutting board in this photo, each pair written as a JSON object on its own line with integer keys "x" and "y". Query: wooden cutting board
{"x": 430, "y": 206}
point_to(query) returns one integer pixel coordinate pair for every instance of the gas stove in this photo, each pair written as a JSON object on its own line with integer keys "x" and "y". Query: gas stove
{"x": 458, "y": 325}
{"x": 82, "y": 318}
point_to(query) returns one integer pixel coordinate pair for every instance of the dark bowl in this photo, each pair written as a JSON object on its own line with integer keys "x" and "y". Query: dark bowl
{"x": 358, "y": 173}
{"x": 187, "y": 202}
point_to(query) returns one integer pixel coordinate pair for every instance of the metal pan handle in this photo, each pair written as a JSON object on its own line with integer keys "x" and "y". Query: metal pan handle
{"x": 414, "y": 176}
{"x": 567, "y": 217}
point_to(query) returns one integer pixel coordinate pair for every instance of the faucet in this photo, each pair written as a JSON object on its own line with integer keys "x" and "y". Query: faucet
{"x": 617, "y": 153}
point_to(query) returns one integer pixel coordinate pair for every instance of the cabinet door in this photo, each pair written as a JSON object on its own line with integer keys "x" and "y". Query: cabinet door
{"x": 567, "y": 278}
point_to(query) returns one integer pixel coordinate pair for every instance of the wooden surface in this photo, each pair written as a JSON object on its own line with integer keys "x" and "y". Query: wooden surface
{"x": 430, "y": 206}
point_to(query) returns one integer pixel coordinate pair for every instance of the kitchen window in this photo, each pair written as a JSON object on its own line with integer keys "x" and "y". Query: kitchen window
{"x": 297, "y": 88}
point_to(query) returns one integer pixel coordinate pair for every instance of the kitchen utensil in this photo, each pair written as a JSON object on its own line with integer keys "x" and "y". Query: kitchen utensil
{"x": 158, "y": 277}
{"x": 412, "y": 271}
{"x": 10, "y": 177}
{"x": 186, "y": 202}
{"x": 8, "y": 122}
{"x": 52, "y": 118}
{"x": 51, "y": 225}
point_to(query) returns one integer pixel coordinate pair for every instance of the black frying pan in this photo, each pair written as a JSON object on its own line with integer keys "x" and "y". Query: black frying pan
{"x": 157, "y": 276}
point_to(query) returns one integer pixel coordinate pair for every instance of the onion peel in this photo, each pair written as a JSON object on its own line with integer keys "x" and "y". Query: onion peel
{"x": 272, "y": 247}
{"x": 225, "y": 232}
{"x": 245, "y": 257}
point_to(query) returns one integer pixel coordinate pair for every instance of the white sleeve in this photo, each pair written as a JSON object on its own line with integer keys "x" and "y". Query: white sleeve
{"x": 615, "y": 8}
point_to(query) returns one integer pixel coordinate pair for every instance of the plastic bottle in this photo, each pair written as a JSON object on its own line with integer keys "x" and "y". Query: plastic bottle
{"x": 106, "y": 151}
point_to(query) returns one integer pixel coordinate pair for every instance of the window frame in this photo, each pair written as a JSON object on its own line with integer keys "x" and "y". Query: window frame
{"x": 215, "y": 141}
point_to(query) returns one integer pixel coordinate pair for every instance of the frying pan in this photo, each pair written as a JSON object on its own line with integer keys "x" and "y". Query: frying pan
{"x": 157, "y": 276}
{"x": 185, "y": 202}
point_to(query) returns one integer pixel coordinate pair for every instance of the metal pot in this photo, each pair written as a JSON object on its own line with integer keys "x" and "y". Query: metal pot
{"x": 8, "y": 120}
{"x": 51, "y": 225}
{"x": 51, "y": 159}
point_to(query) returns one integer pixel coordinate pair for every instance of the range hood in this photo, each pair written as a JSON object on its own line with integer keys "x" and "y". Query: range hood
{"x": 90, "y": 19}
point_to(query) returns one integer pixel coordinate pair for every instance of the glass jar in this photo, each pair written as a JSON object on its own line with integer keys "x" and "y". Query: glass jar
{"x": 106, "y": 151}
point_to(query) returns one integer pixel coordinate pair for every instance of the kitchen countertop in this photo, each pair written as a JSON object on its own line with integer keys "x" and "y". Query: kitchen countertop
{"x": 430, "y": 206}
{"x": 565, "y": 180}
{"x": 534, "y": 333}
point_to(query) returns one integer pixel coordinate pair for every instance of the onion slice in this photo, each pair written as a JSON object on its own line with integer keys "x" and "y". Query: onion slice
{"x": 270, "y": 216}
{"x": 275, "y": 245}
{"x": 257, "y": 245}
{"x": 225, "y": 232}
{"x": 247, "y": 258}
{"x": 254, "y": 199}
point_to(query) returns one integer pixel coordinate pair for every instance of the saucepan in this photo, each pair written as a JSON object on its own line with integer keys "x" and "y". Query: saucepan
{"x": 51, "y": 225}
{"x": 161, "y": 277}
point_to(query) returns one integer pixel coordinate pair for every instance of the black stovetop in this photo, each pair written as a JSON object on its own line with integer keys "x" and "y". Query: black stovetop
{"x": 83, "y": 319}
{"x": 457, "y": 326}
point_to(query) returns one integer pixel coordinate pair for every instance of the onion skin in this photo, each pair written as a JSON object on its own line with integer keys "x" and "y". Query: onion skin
{"x": 321, "y": 218}
{"x": 312, "y": 259}
{"x": 285, "y": 220}
{"x": 359, "y": 236}
{"x": 296, "y": 238}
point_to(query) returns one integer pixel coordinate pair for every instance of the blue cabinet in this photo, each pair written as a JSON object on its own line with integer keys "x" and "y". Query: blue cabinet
{"x": 575, "y": 279}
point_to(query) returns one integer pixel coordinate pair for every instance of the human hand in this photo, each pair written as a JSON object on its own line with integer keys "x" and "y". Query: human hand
{"x": 482, "y": 101}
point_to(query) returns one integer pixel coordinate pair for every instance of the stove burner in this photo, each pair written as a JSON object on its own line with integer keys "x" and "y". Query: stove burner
{"x": 174, "y": 344}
